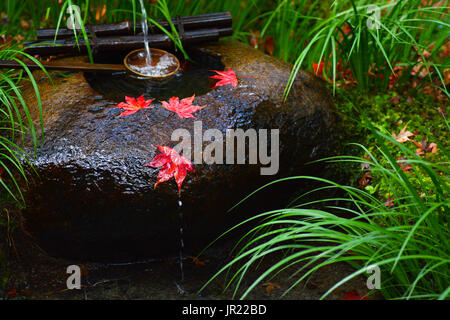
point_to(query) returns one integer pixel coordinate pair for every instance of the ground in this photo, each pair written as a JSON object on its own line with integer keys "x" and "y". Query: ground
{"x": 35, "y": 275}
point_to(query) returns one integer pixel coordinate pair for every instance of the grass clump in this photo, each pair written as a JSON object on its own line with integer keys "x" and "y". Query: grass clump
{"x": 407, "y": 237}
{"x": 15, "y": 121}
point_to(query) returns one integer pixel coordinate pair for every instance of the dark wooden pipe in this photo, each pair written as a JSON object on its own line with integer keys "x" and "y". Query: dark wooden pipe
{"x": 123, "y": 43}
{"x": 83, "y": 67}
{"x": 213, "y": 20}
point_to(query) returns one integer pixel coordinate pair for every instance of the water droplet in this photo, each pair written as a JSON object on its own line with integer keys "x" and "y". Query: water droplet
{"x": 180, "y": 203}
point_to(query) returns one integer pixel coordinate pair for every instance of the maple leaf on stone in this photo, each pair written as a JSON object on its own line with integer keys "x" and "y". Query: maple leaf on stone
{"x": 172, "y": 165}
{"x": 425, "y": 147}
{"x": 183, "y": 108}
{"x": 133, "y": 105}
{"x": 403, "y": 135}
{"x": 225, "y": 77}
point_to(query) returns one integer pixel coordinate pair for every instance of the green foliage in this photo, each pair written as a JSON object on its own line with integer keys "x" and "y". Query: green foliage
{"x": 409, "y": 240}
{"x": 405, "y": 28}
{"x": 306, "y": 32}
{"x": 15, "y": 121}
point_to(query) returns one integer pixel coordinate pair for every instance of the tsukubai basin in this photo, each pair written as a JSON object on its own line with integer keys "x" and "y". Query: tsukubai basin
{"x": 137, "y": 58}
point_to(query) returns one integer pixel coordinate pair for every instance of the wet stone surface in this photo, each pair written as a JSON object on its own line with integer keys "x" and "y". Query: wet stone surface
{"x": 92, "y": 199}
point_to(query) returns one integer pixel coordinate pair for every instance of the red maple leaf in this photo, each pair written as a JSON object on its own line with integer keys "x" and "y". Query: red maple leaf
{"x": 268, "y": 45}
{"x": 225, "y": 77}
{"x": 318, "y": 68}
{"x": 183, "y": 108}
{"x": 12, "y": 293}
{"x": 389, "y": 202}
{"x": 353, "y": 295}
{"x": 133, "y": 105}
{"x": 172, "y": 165}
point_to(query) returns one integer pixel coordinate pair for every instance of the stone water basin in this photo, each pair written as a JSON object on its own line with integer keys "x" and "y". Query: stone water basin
{"x": 91, "y": 198}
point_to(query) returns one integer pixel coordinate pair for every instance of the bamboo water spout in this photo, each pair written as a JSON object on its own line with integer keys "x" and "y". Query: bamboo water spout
{"x": 131, "y": 65}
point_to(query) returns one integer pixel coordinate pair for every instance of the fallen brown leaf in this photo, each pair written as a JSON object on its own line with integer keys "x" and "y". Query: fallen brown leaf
{"x": 364, "y": 181}
{"x": 404, "y": 165}
{"x": 271, "y": 286}
{"x": 425, "y": 147}
{"x": 268, "y": 45}
{"x": 403, "y": 135}
{"x": 198, "y": 262}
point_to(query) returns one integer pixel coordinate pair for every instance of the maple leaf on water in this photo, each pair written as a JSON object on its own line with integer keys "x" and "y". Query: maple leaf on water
{"x": 134, "y": 105}
{"x": 225, "y": 77}
{"x": 172, "y": 165}
{"x": 403, "y": 135}
{"x": 183, "y": 108}
{"x": 353, "y": 295}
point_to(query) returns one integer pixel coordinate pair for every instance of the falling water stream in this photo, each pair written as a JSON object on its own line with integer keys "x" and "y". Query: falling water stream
{"x": 151, "y": 62}
{"x": 180, "y": 288}
{"x": 144, "y": 24}
{"x": 180, "y": 204}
